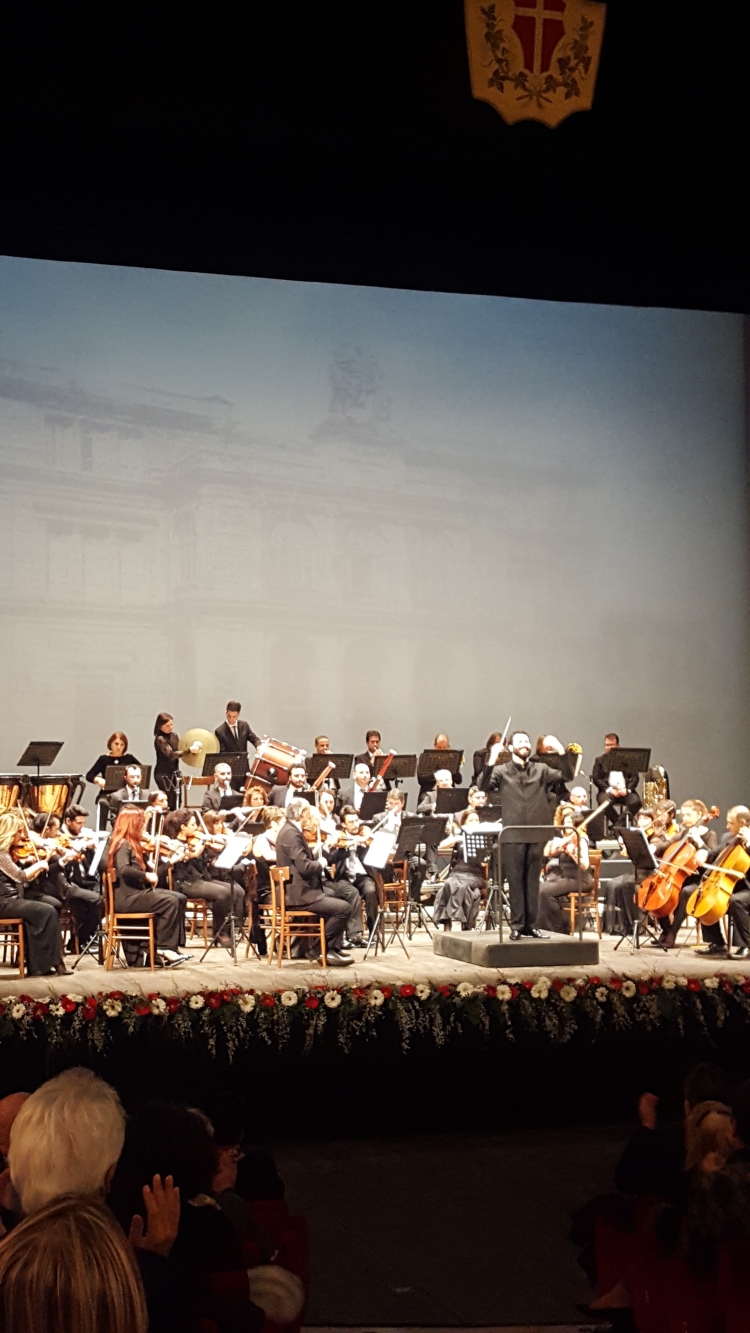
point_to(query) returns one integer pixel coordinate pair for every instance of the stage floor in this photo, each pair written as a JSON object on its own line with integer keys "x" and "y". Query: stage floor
{"x": 390, "y": 968}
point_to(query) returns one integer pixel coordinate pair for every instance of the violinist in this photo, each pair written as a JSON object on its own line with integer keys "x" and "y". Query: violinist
{"x": 305, "y": 886}
{"x": 297, "y": 783}
{"x": 564, "y": 853}
{"x": 157, "y": 800}
{"x": 738, "y": 826}
{"x": 136, "y": 891}
{"x": 264, "y": 848}
{"x": 327, "y": 819}
{"x": 168, "y": 755}
{"x": 191, "y": 874}
{"x": 349, "y": 876}
{"x": 693, "y": 817}
{"x": 117, "y": 756}
{"x": 48, "y": 886}
{"x": 44, "y": 950}
{"x": 83, "y": 893}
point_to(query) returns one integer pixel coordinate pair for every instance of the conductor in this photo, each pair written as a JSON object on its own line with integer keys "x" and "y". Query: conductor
{"x": 524, "y": 788}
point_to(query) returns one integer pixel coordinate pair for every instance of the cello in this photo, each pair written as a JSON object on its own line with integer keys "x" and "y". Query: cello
{"x": 660, "y": 891}
{"x": 711, "y": 899}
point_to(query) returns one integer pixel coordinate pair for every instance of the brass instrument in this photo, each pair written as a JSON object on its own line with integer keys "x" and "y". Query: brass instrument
{"x": 655, "y": 786}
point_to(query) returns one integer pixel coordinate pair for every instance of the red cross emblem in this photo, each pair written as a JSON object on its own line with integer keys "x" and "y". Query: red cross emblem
{"x": 539, "y": 26}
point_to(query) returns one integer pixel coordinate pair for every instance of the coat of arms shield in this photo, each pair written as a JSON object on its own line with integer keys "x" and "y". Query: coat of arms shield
{"x": 534, "y": 59}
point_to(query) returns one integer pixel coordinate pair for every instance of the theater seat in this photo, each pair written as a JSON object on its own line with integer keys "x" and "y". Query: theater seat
{"x": 734, "y": 1287}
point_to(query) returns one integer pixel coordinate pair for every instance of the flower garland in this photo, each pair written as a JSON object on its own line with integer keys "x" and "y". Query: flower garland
{"x": 557, "y": 1009}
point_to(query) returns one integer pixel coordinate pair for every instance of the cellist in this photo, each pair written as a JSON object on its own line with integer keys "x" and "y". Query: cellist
{"x": 738, "y": 826}
{"x": 693, "y": 814}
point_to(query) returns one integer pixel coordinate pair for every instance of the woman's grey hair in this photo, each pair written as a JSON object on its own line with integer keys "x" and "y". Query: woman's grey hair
{"x": 65, "y": 1139}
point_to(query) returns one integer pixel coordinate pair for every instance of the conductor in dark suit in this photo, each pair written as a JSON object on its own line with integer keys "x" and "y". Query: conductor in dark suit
{"x": 234, "y": 736}
{"x": 524, "y": 786}
{"x": 305, "y": 885}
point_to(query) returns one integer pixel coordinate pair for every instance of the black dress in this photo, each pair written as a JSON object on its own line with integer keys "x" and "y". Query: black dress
{"x": 133, "y": 893}
{"x": 167, "y": 767}
{"x": 40, "y": 920}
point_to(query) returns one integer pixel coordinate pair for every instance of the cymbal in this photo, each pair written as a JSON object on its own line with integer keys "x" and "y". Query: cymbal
{"x": 208, "y": 744}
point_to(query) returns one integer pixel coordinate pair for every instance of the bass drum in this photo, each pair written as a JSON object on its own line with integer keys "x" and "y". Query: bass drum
{"x": 53, "y": 793}
{"x": 11, "y": 786}
{"x": 272, "y": 763}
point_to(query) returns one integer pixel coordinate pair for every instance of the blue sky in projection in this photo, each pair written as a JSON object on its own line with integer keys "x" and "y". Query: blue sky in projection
{"x": 458, "y": 371}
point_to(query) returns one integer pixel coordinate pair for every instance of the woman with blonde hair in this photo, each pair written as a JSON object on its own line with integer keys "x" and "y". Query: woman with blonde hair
{"x": 44, "y": 949}
{"x": 69, "y": 1269}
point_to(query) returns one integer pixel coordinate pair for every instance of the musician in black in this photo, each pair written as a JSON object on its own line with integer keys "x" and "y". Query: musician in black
{"x": 627, "y": 799}
{"x": 83, "y": 894}
{"x": 297, "y": 783}
{"x": 524, "y": 787}
{"x": 234, "y": 735}
{"x": 131, "y": 792}
{"x": 168, "y": 756}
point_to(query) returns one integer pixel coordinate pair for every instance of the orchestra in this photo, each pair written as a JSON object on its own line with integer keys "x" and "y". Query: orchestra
{"x": 262, "y": 809}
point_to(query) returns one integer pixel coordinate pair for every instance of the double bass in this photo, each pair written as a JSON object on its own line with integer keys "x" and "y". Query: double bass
{"x": 660, "y": 891}
{"x": 710, "y": 901}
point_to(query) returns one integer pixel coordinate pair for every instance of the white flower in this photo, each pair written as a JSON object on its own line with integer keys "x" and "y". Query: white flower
{"x": 628, "y": 988}
{"x": 288, "y": 998}
{"x": 57, "y": 1010}
{"x": 423, "y": 992}
{"x": 711, "y": 983}
{"x": 246, "y": 1003}
{"x": 540, "y": 989}
{"x": 376, "y": 998}
{"x": 112, "y": 1008}
{"x": 568, "y": 993}
{"x": 196, "y": 1001}
{"x": 18, "y": 1010}
{"x": 504, "y": 992}
{"x": 465, "y": 988}
{"x": 668, "y": 982}
{"x": 681, "y": 981}
{"x": 332, "y": 999}
{"x": 159, "y": 1005}
{"x": 601, "y": 993}
{"x": 77, "y": 999}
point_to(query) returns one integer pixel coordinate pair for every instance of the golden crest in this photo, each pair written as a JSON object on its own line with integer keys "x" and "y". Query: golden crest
{"x": 534, "y": 59}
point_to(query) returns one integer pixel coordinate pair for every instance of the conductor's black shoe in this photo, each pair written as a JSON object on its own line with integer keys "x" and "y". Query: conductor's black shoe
{"x": 713, "y": 951}
{"x": 537, "y": 934}
{"x": 338, "y": 960}
{"x": 516, "y": 934}
{"x": 741, "y": 953}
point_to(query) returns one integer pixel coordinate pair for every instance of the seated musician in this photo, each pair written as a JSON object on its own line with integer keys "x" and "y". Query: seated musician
{"x": 563, "y": 854}
{"x": 48, "y": 886}
{"x": 304, "y": 888}
{"x": 370, "y": 754}
{"x": 191, "y": 875}
{"x": 443, "y": 780}
{"x": 693, "y": 816}
{"x": 220, "y": 788}
{"x": 256, "y": 797}
{"x": 738, "y": 826}
{"x": 458, "y": 897}
{"x": 428, "y": 782}
{"x": 157, "y": 800}
{"x": 41, "y": 926}
{"x": 390, "y": 820}
{"x": 621, "y": 910}
{"x": 328, "y": 820}
{"x": 136, "y": 891}
{"x": 82, "y": 889}
{"x": 578, "y": 798}
{"x": 346, "y": 869}
{"x": 625, "y": 790}
{"x": 623, "y": 804}
{"x": 297, "y": 783}
{"x": 264, "y": 848}
{"x": 362, "y": 779}
{"x": 477, "y": 801}
{"x": 130, "y": 791}
{"x": 323, "y": 746}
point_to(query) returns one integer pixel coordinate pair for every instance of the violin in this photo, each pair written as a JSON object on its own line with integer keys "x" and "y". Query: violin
{"x": 710, "y": 901}
{"x": 660, "y": 891}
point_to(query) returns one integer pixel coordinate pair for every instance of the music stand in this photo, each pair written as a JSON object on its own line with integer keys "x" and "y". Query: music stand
{"x": 566, "y": 764}
{"x": 642, "y": 857}
{"x": 373, "y": 803}
{"x": 40, "y": 754}
{"x": 114, "y": 776}
{"x": 430, "y": 761}
{"x": 318, "y": 763}
{"x": 426, "y": 831}
{"x": 401, "y": 766}
{"x": 451, "y": 800}
{"x": 237, "y": 760}
{"x": 630, "y": 759}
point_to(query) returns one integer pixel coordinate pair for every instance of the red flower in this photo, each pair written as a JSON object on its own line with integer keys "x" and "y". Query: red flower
{"x": 26, "y": 999}
{"x": 444, "y": 990}
{"x": 115, "y": 995}
{"x": 359, "y": 992}
{"x": 557, "y": 984}
{"x": 39, "y": 1010}
{"x": 514, "y": 992}
{"x": 2, "y": 1010}
{"x": 67, "y": 1005}
{"x": 213, "y": 1001}
{"x": 408, "y": 990}
{"x": 312, "y": 1001}
{"x": 746, "y": 987}
{"x": 643, "y": 987}
{"x": 727, "y": 986}
{"x": 615, "y": 983}
{"x": 694, "y": 984}
{"x": 595, "y": 981}
{"x": 142, "y": 1008}
{"x": 152, "y": 995}
{"x": 490, "y": 990}
{"x": 387, "y": 991}
{"x": 88, "y": 1009}
{"x": 268, "y": 1001}
{"x": 527, "y": 985}
{"x": 228, "y": 995}
{"x": 173, "y": 1004}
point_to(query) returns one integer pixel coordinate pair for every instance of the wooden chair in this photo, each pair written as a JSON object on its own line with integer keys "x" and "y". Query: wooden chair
{"x": 121, "y": 928}
{"x": 589, "y": 897}
{"x": 11, "y": 937}
{"x": 264, "y": 913}
{"x": 287, "y": 921}
{"x": 196, "y": 915}
{"x": 69, "y": 928}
